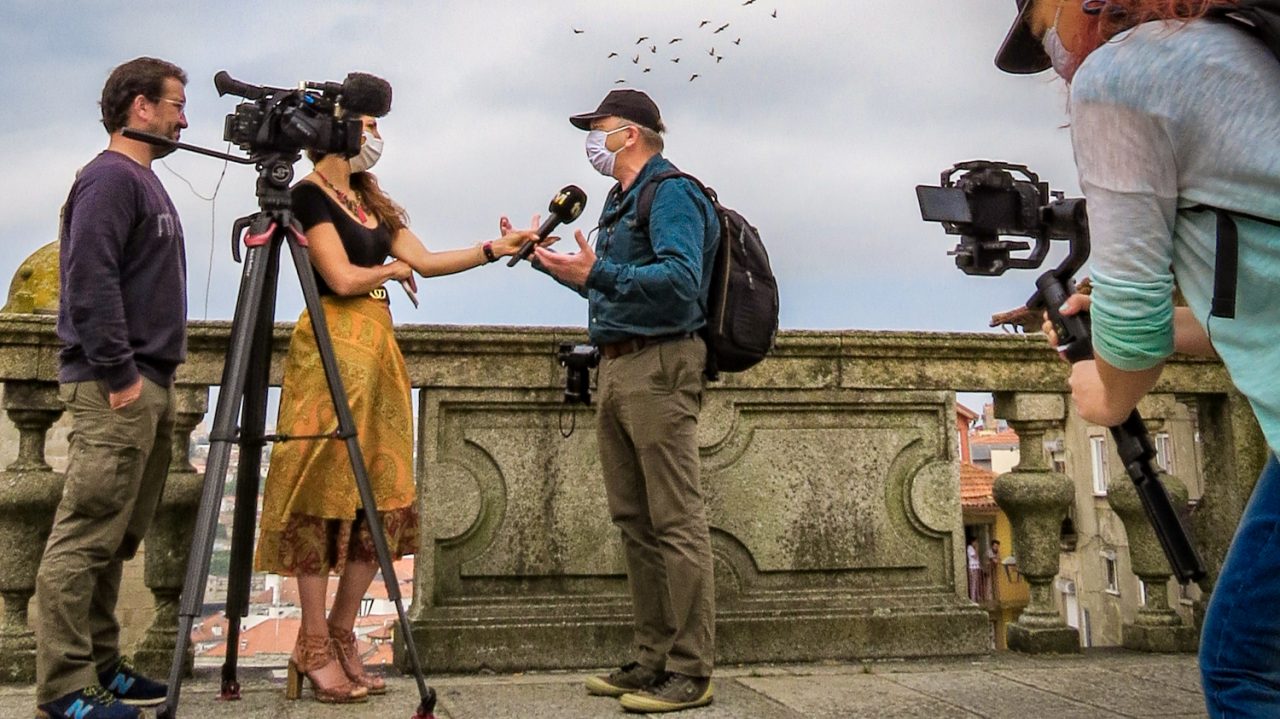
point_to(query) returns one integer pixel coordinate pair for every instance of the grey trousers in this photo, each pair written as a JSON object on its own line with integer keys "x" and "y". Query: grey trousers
{"x": 118, "y": 463}
{"x": 648, "y": 437}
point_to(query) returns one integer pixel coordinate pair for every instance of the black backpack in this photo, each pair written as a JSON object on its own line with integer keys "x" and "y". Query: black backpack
{"x": 742, "y": 308}
{"x": 1260, "y": 18}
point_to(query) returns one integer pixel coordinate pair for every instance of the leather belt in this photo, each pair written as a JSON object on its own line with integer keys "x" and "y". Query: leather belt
{"x": 614, "y": 350}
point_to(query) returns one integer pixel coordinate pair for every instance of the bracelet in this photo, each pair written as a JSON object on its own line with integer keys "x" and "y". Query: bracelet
{"x": 488, "y": 251}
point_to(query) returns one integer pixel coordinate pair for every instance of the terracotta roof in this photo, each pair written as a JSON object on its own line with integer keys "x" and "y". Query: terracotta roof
{"x": 274, "y": 636}
{"x": 965, "y": 412}
{"x": 204, "y": 631}
{"x": 1001, "y": 438}
{"x": 976, "y": 487}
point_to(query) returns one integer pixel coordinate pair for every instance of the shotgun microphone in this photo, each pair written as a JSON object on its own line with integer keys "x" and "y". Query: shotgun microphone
{"x": 565, "y": 207}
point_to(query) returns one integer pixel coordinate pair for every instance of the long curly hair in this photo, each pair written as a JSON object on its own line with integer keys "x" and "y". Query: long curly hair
{"x": 1106, "y": 18}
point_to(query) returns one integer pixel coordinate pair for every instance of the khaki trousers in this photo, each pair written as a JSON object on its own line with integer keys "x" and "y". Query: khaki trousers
{"x": 118, "y": 463}
{"x": 648, "y": 437}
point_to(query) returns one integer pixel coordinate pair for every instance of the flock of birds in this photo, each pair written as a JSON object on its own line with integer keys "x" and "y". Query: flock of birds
{"x": 646, "y": 55}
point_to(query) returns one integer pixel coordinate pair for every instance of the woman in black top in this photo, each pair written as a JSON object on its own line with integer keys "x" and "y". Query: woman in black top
{"x": 311, "y": 528}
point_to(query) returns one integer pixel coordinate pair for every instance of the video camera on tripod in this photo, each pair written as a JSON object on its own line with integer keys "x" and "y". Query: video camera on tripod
{"x": 274, "y": 127}
{"x": 982, "y": 200}
{"x": 309, "y": 117}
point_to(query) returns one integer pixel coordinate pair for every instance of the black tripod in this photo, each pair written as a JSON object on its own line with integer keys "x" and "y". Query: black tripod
{"x": 243, "y": 394}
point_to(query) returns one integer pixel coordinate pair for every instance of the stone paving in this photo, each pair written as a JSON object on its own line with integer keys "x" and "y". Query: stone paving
{"x": 1101, "y": 684}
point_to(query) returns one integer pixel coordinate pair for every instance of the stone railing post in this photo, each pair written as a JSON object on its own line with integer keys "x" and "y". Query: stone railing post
{"x": 29, "y": 495}
{"x": 1157, "y": 628}
{"x": 1234, "y": 452}
{"x": 169, "y": 540}
{"x": 1036, "y": 500}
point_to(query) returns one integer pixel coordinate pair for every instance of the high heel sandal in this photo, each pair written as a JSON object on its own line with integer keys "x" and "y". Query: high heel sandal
{"x": 311, "y": 654}
{"x": 344, "y": 648}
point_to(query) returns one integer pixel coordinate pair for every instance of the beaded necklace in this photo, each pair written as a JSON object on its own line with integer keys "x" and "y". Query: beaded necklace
{"x": 352, "y": 203}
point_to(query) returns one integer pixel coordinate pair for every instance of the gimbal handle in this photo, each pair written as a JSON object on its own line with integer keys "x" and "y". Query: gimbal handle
{"x": 1133, "y": 442}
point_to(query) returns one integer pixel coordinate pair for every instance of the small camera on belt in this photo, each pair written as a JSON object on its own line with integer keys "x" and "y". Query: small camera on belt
{"x": 578, "y": 361}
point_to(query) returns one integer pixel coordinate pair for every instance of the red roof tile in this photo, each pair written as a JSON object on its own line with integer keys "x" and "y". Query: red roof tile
{"x": 1001, "y": 438}
{"x": 274, "y": 636}
{"x": 976, "y": 487}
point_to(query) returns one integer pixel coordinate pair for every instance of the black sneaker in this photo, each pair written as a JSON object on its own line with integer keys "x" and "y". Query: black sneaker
{"x": 132, "y": 688}
{"x": 630, "y": 678}
{"x": 678, "y": 691}
{"x": 89, "y": 703}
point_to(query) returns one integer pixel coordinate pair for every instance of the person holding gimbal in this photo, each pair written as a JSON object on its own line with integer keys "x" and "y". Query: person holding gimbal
{"x": 359, "y": 240}
{"x": 1175, "y": 117}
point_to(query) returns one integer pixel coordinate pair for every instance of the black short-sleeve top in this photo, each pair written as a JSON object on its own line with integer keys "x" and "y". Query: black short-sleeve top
{"x": 365, "y": 247}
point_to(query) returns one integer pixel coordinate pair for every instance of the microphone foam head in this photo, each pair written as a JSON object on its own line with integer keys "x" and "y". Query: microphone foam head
{"x": 568, "y": 203}
{"x": 365, "y": 94}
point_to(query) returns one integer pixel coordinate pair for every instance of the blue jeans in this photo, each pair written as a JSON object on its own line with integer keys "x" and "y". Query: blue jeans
{"x": 1240, "y": 644}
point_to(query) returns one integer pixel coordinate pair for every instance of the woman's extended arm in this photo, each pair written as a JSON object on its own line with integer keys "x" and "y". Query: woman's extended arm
{"x": 407, "y": 247}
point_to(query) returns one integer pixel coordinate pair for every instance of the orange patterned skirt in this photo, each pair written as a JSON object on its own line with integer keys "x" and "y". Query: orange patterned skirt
{"x": 312, "y": 523}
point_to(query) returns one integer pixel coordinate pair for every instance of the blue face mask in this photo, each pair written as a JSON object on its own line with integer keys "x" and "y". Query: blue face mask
{"x": 598, "y": 155}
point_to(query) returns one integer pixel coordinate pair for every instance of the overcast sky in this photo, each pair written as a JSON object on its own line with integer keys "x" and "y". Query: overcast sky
{"x": 816, "y": 126}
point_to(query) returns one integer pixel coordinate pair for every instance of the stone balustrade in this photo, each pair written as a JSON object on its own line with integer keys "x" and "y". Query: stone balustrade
{"x": 830, "y": 473}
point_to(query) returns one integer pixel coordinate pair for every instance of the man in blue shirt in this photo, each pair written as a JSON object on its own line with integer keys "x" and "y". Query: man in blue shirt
{"x": 647, "y": 292}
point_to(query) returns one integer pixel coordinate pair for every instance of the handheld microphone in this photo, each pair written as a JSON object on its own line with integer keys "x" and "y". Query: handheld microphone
{"x": 565, "y": 207}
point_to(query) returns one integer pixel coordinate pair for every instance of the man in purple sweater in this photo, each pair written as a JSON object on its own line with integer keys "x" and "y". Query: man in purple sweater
{"x": 122, "y": 319}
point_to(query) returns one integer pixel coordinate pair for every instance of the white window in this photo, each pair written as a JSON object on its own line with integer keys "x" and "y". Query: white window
{"x": 1164, "y": 452}
{"x": 1098, "y": 454}
{"x": 1112, "y": 571}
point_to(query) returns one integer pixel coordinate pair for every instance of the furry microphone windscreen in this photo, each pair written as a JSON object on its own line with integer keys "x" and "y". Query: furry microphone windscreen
{"x": 365, "y": 94}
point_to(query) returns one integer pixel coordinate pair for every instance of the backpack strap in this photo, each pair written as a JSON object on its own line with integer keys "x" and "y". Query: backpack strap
{"x": 644, "y": 204}
{"x": 1226, "y": 263}
{"x": 1260, "y": 18}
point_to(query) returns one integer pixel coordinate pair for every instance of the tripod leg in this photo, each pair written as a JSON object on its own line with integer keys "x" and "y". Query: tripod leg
{"x": 347, "y": 429}
{"x": 230, "y": 396}
{"x": 253, "y": 425}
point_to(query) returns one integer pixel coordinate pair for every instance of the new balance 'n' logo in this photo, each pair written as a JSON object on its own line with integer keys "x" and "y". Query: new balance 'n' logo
{"x": 80, "y": 710}
{"x": 121, "y": 684}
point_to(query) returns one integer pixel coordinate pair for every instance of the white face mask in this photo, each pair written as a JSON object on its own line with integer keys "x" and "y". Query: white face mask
{"x": 1059, "y": 56}
{"x": 598, "y": 155}
{"x": 370, "y": 151}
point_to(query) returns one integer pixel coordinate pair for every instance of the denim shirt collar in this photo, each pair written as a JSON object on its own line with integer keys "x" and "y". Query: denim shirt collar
{"x": 617, "y": 201}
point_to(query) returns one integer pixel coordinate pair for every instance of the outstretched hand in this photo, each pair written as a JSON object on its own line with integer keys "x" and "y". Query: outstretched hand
{"x": 573, "y": 268}
{"x": 507, "y": 230}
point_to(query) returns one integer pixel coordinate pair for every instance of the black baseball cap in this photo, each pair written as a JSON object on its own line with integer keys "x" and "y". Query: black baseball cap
{"x": 628, "y": 104}
{"x": 1022, "y": 53}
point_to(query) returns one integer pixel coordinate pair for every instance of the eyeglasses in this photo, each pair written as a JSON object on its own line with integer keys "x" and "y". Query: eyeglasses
{"x": 181, "y": 104}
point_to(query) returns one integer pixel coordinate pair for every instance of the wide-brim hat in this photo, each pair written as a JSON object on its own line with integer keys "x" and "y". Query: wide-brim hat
{"x": 1022, "y": 53}
{"x": 628, "y": 104}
